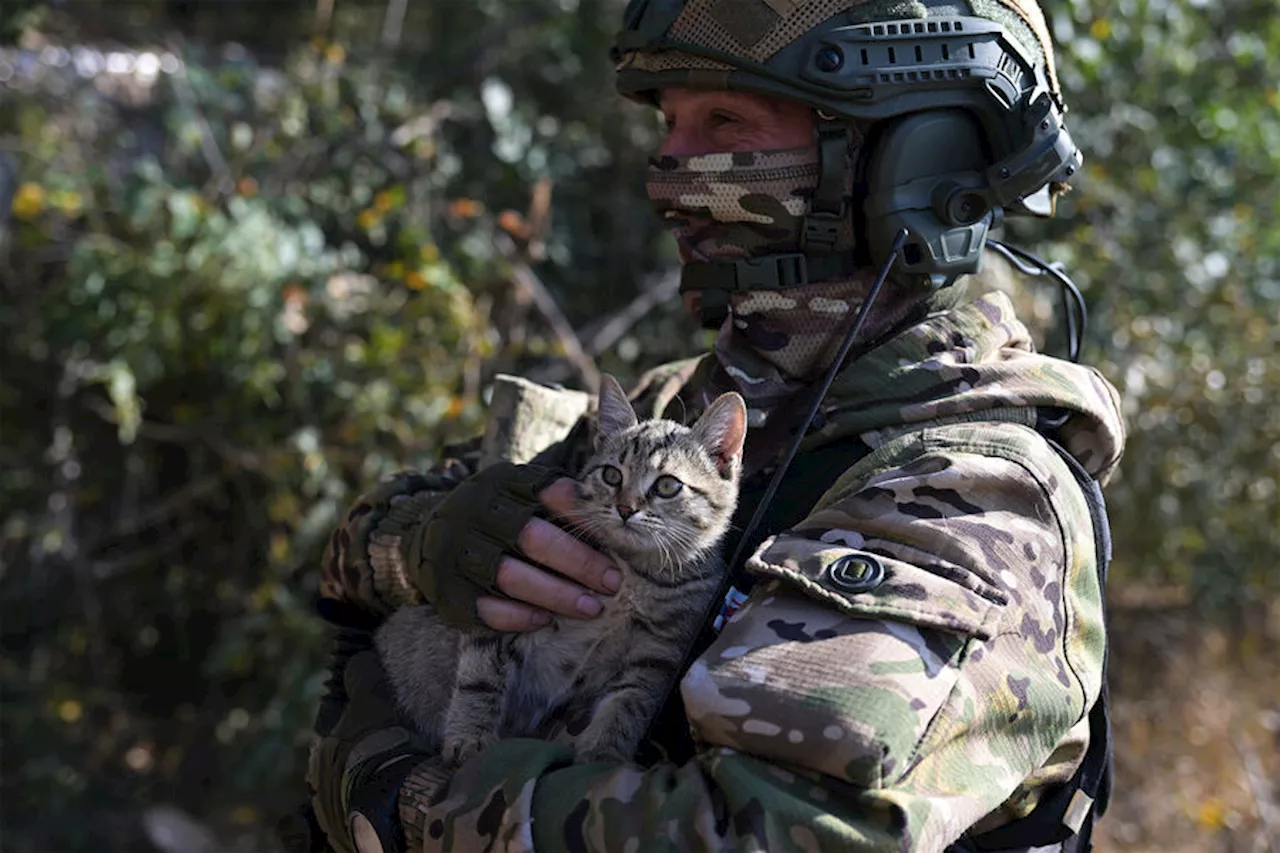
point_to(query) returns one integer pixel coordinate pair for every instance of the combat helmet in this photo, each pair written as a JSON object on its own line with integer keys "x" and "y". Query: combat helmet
{"x": 961, "y": 98}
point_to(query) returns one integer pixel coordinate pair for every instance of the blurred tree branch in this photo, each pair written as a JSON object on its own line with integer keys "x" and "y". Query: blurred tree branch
{"x": 393, "y": 22}
{"x": 654, "y": 291}
{"x": 527, "y": 281}
{"x": 223, "y": 182}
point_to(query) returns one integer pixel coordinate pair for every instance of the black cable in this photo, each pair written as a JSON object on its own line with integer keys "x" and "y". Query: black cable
{"x": 776, "y": 480}
{"x": 1027, "y": 263}
{"x": 827, "y": 379}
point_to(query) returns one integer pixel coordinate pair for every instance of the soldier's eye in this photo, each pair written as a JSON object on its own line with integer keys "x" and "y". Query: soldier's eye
{"x": 720, "y": 118}
{"x": 611, "y": 476}
{"x": 667, "y": 486}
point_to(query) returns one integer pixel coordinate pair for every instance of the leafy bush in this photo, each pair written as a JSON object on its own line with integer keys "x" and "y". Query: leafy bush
{"x": 1175, "y": 233}
{"x": 224, "y": 310}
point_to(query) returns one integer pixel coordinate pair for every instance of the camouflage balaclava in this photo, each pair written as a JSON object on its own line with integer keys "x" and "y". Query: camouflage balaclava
{"x": 734, "y": 205}
{"x": 738, "y": 206}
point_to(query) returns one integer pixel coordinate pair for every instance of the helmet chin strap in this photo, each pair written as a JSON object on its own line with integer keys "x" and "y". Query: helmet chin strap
{"x": 817, "y": 259}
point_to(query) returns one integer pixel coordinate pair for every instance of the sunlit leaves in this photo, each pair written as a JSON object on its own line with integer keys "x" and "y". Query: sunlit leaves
{"x": 1177, "y": 222}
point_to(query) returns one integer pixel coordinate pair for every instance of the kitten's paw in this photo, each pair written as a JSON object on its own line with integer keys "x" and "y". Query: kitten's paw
{"x": 459, "y": 750}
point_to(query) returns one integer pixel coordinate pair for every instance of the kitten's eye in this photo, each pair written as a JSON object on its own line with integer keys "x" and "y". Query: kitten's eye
{"x": 667, "y": 486}
{"x": 611, "y": 476}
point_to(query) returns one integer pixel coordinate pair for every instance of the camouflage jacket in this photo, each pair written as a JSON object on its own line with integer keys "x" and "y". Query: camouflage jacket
{"x": 831, "y": 715}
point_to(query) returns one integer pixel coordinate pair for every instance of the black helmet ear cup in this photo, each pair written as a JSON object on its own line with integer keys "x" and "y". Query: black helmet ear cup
{"x": 925, "y": 172}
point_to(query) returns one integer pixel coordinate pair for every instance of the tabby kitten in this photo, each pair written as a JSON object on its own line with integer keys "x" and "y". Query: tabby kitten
{"x": 657, "y": 497}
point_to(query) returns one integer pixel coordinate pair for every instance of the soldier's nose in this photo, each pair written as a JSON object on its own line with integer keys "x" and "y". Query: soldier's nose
{"x": 625, "y": 511}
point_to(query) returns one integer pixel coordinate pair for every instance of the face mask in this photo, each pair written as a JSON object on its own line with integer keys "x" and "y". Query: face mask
{"x": 742, "y": 204}
{"x": 733, "y": 205}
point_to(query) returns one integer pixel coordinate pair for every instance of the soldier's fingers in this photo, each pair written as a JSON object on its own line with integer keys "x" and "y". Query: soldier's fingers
{"x": 560, "y": 497}
{"x": 550, "y": 546}
{"x": 531, "y": 585}
{"x": 502, "y": 615}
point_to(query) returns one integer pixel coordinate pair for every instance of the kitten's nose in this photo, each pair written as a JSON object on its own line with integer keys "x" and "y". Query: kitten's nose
{"x": 625, "y": 511}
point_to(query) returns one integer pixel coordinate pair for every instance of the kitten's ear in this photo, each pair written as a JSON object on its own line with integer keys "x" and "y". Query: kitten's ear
{"x": 722, "y": 429}
{"x": 614, "y": 412}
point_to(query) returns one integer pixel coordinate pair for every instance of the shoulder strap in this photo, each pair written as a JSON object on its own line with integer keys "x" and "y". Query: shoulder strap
{"x": 810, "y": 476}
{"x": 1063, "y": 820}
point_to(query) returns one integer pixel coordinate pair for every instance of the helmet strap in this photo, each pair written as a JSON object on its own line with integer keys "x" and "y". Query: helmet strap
{"x": 820, "y": 230}
{"x": 827, "y": 208}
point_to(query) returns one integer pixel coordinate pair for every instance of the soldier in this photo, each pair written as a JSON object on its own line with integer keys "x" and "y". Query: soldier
{"x": 916, "y": 660}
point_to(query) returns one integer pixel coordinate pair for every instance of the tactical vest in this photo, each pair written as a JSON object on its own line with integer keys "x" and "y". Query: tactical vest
{"x": 1062, "y": 822}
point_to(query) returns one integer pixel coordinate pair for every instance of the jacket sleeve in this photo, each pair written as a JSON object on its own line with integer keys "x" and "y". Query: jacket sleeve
{"x": 362, "y": 565}
{"x": 918, "y": 659}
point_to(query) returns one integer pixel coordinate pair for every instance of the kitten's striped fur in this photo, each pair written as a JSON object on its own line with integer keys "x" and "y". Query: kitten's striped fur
{"x": 599, "y": 680}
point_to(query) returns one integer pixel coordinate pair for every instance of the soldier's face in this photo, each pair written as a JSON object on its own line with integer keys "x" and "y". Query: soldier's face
{"x": 702, "y": 122}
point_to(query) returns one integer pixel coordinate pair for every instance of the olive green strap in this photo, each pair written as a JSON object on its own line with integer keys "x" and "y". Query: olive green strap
{"x": 827, "y": 211}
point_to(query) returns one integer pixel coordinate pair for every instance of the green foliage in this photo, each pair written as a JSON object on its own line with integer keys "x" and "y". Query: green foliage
{"x": 209, "y": 341}
{"x": 1175, "y": 232}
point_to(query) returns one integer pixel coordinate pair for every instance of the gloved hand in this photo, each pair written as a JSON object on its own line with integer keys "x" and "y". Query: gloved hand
{"x": 453, "y": 559}
{"x": 359, "y": 764}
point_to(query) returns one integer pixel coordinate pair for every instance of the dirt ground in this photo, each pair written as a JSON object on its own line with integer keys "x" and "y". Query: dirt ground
{"x": 1196, "y": 714}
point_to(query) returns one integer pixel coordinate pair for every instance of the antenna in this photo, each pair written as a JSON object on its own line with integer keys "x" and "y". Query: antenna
{"x": 776, "y": 480}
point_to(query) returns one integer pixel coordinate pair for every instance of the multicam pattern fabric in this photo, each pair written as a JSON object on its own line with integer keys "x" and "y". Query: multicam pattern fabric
{"x": 890, "y": 717}
{"x": 732, "y": 205}
{"x": 776, "y": 341}
{"x": 726, "y": 206}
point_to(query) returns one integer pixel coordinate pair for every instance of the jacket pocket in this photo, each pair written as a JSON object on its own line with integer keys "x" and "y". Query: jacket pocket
{"x": 860, "y": 583}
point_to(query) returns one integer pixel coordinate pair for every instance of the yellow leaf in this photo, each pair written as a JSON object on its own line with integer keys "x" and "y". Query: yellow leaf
{"x": 335, "y": 54}
{"x": 1100, "y": 29}
{"x": 279, "y": 547}
{"x": 1212, "y": 814}
{"x": 414, "y": 280}
{"x": 244, "y": 815}
{"x": 28, "y": 201}
{"x": 69, "y": 710}
{"x": 283, "y": 508}
{"x": 430, "y": 253}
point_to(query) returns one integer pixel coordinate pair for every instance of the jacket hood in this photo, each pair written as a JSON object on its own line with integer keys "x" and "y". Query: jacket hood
{"x": 975, "y": 362}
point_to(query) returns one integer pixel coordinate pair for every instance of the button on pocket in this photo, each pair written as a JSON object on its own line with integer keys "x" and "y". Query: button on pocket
{"x": 856, "y": 573}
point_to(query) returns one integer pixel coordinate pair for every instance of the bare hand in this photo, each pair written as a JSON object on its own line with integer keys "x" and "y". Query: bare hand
{"x": 536, "y": 593}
